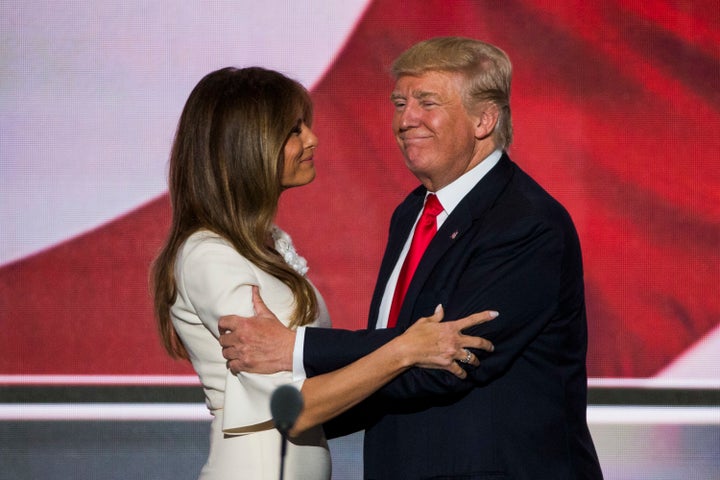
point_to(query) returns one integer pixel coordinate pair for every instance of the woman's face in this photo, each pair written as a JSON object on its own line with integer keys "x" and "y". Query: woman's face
{"x": 299, "y": 167}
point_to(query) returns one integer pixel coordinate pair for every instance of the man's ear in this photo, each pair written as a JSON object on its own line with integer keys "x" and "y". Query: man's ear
{"x": 486, "y": 120}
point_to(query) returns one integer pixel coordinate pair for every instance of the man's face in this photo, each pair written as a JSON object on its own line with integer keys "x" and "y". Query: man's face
{"x": 432, "y": 127}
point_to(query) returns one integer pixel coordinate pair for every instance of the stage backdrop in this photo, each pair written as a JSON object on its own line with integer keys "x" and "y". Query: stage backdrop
{"x": 616, "y": 106}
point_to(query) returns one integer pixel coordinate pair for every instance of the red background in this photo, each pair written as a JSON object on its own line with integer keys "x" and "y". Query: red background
{"x": 616, "y": 108}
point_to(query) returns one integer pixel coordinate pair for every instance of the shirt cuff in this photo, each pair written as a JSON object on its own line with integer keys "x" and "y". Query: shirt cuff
{"x": 298, "y": 372}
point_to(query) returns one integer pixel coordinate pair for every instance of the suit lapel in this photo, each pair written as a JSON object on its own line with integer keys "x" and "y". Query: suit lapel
{"x": 475, "y": 204}
{"x": 400, "y": 226}
{"x": 406, "y": 216}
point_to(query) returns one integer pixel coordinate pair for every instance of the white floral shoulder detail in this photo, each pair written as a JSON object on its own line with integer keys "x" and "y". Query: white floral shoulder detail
{"x": 285, "y": 247}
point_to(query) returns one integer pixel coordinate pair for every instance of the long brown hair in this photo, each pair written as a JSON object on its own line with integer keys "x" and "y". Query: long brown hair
{"x": 225, "y": 176}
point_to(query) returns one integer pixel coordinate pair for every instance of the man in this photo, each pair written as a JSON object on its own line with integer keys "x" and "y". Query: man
{"x": 502, "y": 243}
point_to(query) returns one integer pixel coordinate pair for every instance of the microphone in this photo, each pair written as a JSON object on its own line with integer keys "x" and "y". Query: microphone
{"x": 286, "y": 403}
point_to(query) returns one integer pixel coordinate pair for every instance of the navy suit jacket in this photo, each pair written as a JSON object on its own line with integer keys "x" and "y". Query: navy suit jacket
{"x": 508, "y": 246}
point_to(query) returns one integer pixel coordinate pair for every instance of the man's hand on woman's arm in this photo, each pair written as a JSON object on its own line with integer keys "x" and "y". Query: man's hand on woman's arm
{"x": 262, "y": 344}
{"x": 258, "y": 344}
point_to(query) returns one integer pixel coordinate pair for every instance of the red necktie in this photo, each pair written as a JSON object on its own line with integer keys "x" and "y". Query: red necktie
{"x": 424, "y": 232}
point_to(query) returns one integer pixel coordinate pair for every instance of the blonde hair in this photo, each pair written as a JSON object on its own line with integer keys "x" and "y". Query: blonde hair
{"x": 225, "y": 176}
{"x": 486, "y": 68}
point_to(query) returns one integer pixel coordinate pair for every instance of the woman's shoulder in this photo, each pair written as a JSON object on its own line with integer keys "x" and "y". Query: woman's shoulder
{"x": 204, "y": 248}
{"x": 206, "y": 238}
{"x": 201, "y": 240}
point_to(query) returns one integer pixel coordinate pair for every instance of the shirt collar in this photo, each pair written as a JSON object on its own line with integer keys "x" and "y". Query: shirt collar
{"x": 453, "y": 193}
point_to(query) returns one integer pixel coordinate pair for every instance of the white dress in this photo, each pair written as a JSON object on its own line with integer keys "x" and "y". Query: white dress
{"x": 213, "y": 280}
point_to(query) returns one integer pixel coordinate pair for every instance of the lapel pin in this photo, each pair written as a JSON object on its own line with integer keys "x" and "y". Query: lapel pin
{"x": 454, "y": 234}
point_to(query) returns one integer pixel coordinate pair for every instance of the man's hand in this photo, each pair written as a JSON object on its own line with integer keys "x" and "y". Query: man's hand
{"x": 259, "y": 344}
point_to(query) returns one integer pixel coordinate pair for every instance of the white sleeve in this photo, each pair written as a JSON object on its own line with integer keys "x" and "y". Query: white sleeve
{"x": 298, "y": 355}
{"x": 218, "y": 282}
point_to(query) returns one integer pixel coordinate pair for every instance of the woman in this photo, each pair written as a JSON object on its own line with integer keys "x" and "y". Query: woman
{"x": 243, "y": 137}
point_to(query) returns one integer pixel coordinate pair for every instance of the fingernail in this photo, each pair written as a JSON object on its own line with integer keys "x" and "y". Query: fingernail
{"x": 493, "y": 313}
{"x": 438, "y": 308}
{"x": 492, "y": 348}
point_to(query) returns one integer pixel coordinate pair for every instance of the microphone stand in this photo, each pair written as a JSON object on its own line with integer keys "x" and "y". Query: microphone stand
{"x": 286, "y": 403}
{"x": 283, "y": 451}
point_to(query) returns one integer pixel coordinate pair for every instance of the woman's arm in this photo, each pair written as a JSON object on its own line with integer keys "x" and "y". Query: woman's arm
{"x": 427, "y": 343}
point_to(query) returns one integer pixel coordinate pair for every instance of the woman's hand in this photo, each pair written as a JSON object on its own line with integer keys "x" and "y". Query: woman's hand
{"x": 430, "y": 343}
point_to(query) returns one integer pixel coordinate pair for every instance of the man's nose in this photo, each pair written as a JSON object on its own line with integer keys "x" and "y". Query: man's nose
{"x": 408, "y": 117}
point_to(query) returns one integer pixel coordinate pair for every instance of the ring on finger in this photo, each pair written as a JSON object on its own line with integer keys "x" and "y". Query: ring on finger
{"x": 468, "y": 356}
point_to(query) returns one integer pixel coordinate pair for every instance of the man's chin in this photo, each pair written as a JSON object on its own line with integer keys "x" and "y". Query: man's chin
{"x": 414, "y": 160}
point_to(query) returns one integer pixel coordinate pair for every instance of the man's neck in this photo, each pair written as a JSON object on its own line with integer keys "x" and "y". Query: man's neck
{"x": 438, "y": 182}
